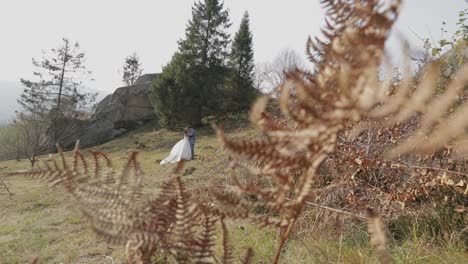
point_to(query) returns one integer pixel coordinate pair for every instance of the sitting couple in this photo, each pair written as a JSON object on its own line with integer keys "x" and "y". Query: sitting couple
{"x": 184, "y": 149}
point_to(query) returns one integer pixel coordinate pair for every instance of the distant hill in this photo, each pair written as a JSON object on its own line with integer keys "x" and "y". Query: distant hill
{"x": 9, "y": 93}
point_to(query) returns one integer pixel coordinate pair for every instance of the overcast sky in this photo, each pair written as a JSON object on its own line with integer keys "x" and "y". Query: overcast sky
{"x": 109, "y": 30}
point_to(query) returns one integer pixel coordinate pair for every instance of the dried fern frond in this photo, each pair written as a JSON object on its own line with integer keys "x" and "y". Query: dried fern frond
{"x": 228, "y": 256}
{"x": 316, "y": 107}
{"x": 443, "y": 119}
{"x": 248, "y": 256}
{"x": 378, "y": 237}
{"x": 35, "y": 260}
{"x": 170, "y": 224}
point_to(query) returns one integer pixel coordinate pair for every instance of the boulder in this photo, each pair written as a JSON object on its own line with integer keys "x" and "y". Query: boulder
{"x": 146, "y": 78}
{"x": 124, "y": 110}
{"x": 126, "y": 106}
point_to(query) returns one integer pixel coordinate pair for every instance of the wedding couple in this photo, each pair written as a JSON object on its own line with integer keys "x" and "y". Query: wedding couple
{"x": 184, "y": 149}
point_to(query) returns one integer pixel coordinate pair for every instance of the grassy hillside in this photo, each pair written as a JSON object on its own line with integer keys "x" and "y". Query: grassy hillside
{"x": 42, "y": 221}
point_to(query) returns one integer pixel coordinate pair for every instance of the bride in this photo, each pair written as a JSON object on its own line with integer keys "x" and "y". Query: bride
{"x": 180, "y": 151}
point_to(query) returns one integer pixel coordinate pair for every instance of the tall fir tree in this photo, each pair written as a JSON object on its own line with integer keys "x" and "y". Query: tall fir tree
{"x": 203, "y": 55}
{"x": 57, "y": 92}
{"x": 241, "y": 61}
{"x": 206, "y": 37}
{"x": 168, "y": 94}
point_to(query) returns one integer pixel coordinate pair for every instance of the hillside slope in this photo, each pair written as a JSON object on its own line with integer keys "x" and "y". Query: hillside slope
{"x": 43, "y": 221}
{"x": 40, "y": 220}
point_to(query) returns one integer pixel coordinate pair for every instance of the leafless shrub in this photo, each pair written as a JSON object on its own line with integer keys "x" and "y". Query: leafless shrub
{"x": 31, "y": 138}
{"x": 270, "y": 75}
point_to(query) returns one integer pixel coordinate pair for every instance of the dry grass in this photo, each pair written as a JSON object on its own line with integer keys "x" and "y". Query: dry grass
{"x": 42, "y": 221}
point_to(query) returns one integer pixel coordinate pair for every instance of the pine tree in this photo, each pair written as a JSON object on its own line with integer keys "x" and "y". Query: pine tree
{"x": 241, "y": 62}
{"x": 205, "y": 50}
{"x": 206, "y": 36}
{"x": 57, "y": 94}
{"x": 166, "y": 94}
{"x": 203, "y": 56}
{"x": 131, "y": 69}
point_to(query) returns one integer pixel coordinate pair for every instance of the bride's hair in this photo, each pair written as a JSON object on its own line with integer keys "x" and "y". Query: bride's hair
{"x": 186, "y": 130}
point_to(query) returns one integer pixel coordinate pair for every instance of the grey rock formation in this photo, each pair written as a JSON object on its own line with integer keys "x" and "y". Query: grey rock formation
{"x": 146, "y": 78}
{"x": 117, "y": 113}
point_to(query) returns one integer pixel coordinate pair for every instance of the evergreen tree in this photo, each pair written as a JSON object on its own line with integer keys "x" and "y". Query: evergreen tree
{"x": 57, "y": 94}
{"x": 206, "y": 36}
{"x": 131, "y": 69}
{"x": 167, "y": 94}
{"x": 203, "y": 56}
{"x": 241, "y": 62}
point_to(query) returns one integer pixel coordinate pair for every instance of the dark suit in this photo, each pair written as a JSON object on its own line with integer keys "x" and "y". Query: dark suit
{"x": 191, "y": 137}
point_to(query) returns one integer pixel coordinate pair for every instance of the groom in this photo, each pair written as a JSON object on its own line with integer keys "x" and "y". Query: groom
{"x": 191, "y": 135}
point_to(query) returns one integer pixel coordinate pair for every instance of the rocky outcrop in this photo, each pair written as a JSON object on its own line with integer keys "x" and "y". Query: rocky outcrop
{"x": 146, "y": 78}
{"x": 118, "y": 113}
{"x": 126, "y": 106}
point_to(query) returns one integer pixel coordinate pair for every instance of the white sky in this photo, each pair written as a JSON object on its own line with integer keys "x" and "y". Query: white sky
{"x": 109, "y": 30}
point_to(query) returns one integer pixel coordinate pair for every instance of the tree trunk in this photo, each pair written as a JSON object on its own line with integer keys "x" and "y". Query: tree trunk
{"x": 65, "y": 60}
{"x": 59, "y": 99}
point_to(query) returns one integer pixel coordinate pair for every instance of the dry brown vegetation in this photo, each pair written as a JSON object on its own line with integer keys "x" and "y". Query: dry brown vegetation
{"x": 343, "y": 138}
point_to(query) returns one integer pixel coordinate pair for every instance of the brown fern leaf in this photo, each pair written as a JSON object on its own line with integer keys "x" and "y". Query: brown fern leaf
{"x": 378, "y": 238}
{"x": 228, "y": 254}
{"x": 171, "y": 223}
{"x": 51, "y": 174}
{"x": 248, "y": 256}
{"x": 35, "y": 260}
{"x": 205, "y": 242}
{"x": 232, "y": 207}
{"x": 316, "y": 107}
{"x": 441, "y": 114}
{"x": 264, "y": 151}
{"x": 187, "y": 218}
{"x": 443, "y": 118}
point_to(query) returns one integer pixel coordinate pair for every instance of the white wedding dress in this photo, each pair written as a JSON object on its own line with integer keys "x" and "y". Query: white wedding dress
{"x": 180, "y": 151}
